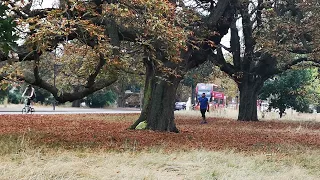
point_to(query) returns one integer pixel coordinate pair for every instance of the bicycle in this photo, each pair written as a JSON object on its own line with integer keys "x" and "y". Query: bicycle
{"x": 27, "y": 108}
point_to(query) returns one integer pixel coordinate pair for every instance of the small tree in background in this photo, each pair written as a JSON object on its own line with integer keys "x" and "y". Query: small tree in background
{"x": 14, "y": 96}
{"x": 101, "y": 98}
{"x": 295, "y": 89}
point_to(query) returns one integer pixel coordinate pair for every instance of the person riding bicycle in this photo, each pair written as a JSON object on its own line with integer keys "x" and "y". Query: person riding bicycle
{"x": 29, "y": 93}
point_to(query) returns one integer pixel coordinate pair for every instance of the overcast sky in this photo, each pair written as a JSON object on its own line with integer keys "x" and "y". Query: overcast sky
{"x": 44, "y": 4}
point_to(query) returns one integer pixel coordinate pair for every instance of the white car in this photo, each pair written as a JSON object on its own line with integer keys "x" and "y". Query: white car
{"x": 180, "y": 106}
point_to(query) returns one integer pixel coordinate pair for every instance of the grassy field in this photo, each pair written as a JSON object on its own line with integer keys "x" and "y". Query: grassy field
{"x": 101, "y": 147}
{"x": 291, "y": 115}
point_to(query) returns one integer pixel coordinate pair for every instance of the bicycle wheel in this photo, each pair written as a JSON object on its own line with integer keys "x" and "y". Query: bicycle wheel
{"x": 32, "y": 110}
{"x": 24, "y": 110}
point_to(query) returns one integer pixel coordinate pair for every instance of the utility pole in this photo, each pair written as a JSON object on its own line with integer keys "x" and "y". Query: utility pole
{"x": 54, "y": 78}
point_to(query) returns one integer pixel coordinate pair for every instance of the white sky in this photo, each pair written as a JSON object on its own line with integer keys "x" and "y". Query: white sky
{"x": 38, "y": 4}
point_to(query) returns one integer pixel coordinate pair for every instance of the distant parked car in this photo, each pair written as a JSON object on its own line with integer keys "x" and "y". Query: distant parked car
{"x": 180, "y": 106}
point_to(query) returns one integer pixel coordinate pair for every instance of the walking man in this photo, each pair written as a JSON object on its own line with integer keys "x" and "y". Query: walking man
{"x": 204, "y": 106}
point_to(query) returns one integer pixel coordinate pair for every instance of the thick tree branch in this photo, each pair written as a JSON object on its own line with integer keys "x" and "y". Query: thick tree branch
{"x": 217, "y": 12}
{"x": 259, "y": 13}
{"x": 235, "y": 46}
{"x": 220, "y": 19}
{"x": 295, "y": 62}
{"x": 91, "y": 87}
{"x": 64, "y": 97}
{"x": 248, "y": 36}
{"x": 225, "y": 48}
{"x": 219, "y": 60}
{"x": 21, "y": 54}
{"x": 92, "y": 77}
{"x": 195, "y": 57}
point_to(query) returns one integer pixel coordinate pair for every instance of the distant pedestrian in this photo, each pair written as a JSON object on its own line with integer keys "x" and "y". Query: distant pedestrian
{"x": 204, "y": 106}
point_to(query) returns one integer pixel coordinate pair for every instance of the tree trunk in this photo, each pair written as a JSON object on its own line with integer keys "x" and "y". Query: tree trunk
{"x": 193, "y": 89}
{"x": 248, "y": 100}
{"x": 122, "y": 99}
{"x": 159, "y": 100}
{"x": 281, "y": 112}
{"x": 76, "y": 103}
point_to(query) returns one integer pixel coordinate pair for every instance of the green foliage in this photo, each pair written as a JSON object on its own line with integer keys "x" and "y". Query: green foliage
{"x": 295, "y": 89}
{"x": 198, "y": 74}
{"x": 11, "y": 93}
{"x": 101, "y": 99}
{"x": 3, "y": 94}
{"x": 14, "y": 96}
{"x": 43, "y": 96}
{"x": 7, "y": 26}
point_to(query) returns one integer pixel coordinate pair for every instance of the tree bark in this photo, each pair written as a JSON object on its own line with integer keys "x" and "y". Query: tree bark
{"x": 193, "y": 89}
{"x": 161, "y": 116}
{"x": 150, "y": 79}
{"x": 76, "y": 103}
{"x": 122, "y": 99}
{"x": 249, "y": 91}
{"x": 159, "y": 99}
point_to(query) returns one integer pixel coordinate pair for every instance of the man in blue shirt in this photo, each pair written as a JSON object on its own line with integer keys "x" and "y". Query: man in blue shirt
{"x": 204, "y": 106}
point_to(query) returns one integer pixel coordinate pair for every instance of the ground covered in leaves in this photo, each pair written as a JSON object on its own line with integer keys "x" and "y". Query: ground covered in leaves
{"x": 110, "y": 132}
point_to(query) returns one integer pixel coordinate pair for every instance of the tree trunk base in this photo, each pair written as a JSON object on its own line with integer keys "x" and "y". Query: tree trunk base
{"x": 248, "y": 110}
{"x": 159, "y": 100}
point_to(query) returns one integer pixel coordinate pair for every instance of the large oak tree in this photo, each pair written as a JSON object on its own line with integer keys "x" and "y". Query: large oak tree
{"x": 161, "y": 86}
{"x": 173, "y": 39}
{"x": 276, "y": 35}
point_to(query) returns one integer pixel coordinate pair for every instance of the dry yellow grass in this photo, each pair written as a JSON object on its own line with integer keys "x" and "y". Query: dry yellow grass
{"x": 196, "y": 164}
{"x": 233, "y": 114}
{"x": 20, "y": 160}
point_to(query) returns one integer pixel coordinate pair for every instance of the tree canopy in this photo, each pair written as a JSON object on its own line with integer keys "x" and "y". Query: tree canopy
{"x": 297, "y": 89}
{"x": 88, "y": 42}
